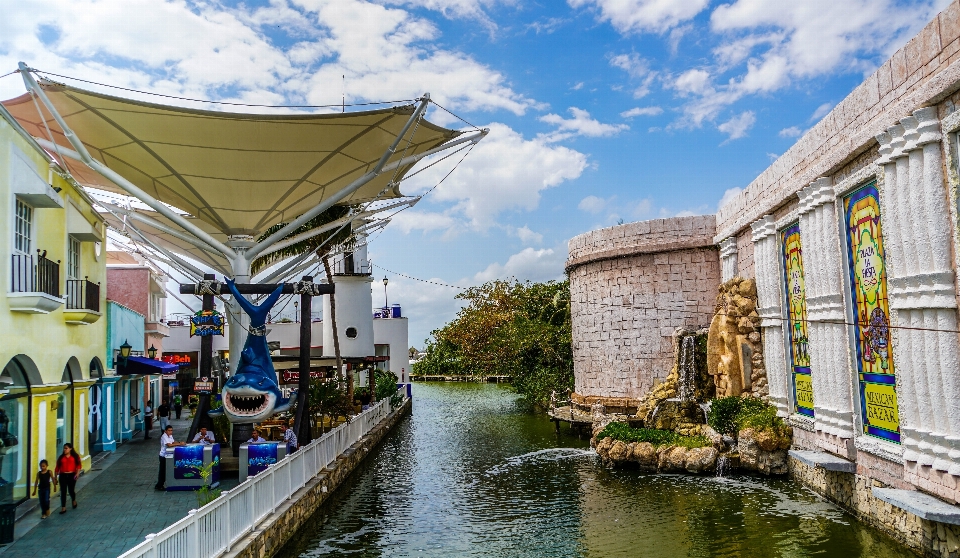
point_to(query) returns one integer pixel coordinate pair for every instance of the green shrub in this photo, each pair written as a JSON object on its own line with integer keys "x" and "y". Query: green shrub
{"x": 625, "y": 433}
{"x": 729, "y": 414}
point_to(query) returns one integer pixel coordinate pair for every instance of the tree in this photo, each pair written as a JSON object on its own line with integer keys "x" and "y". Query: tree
{"x": 322, "y": 244}
{"x": 515, "y": 329}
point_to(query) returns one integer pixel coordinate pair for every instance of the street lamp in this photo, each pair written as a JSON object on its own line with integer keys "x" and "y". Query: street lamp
{"x": 386, "y": 306}
{"x": 152, "y": 352}
{"x": 125, "y": 351}
{"x": 296, "y": 311}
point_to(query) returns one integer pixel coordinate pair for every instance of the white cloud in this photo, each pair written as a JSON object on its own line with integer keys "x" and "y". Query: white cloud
{"x": 791, "y": 132}
{"x": 821, "y": 111}
{"x": 637, "y": 68}
{"x": 693, "y": 82}
{"x": 504, "y": 172}
{"x": 578, "y": 86}
{"x": 580, "y": 125}
{"x": 528, "y": 264}
{"x": 738, "y": 126}
{"x": 206, "y": 50}
{"x": 641, "y": 111}
{"x": 592, "y": 204}
{"x": 528, "y": 236}
{"x": 639, "y": 16}
{"x": 411, "y": 220}
{"x": 728, "y": 195}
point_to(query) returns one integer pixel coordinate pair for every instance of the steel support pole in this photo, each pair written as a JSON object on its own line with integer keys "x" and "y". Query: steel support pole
{"x": 201, "y": 418}
{"x": 302, "y": 422}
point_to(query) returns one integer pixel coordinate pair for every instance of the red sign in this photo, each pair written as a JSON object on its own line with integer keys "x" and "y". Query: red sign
{"x": 174, "y": 358}
{"x": 290, "y": 377}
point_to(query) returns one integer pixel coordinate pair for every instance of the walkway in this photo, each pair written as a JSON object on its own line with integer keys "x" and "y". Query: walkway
{"x": 117, "y": 507}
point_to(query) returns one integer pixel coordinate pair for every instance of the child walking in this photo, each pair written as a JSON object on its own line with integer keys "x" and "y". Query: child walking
{"x": 44, "y": 478}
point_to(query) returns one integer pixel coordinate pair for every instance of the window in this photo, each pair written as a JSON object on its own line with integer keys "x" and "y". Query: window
{"x": 23, "y": 228}
{"x": 73, "y": 259}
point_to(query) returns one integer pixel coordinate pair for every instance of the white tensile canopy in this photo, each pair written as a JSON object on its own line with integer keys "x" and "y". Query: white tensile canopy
{"x": 239, "y": 173}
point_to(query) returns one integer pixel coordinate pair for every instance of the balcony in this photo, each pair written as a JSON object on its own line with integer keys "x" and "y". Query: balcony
{"x": 34, "y": 284}
{"x": 83, "y": 302}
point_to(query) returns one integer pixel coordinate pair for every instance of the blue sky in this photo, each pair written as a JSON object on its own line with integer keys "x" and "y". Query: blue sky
{"x": 600, "y": 110}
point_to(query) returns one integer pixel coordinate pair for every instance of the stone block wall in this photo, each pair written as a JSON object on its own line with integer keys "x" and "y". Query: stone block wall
{"x": 631, "y": 286}
{"x": 854, "y": 493}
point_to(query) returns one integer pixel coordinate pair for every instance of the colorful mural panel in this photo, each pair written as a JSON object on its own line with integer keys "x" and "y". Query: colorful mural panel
{"x": 796, "y": 297}
{"x": 868, "y": 283}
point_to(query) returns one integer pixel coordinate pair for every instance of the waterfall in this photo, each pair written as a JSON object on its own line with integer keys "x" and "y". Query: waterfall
{"x": 687, "y": 373}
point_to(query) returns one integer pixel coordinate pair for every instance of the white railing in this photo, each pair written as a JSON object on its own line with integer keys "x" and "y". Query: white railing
{"x": 211, "y": 530}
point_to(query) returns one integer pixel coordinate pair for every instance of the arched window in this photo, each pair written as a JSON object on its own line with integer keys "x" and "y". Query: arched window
{"x": 15, "y": 383}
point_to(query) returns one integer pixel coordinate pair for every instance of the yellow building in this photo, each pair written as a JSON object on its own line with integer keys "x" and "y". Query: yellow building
{"x": 53, "y": 335}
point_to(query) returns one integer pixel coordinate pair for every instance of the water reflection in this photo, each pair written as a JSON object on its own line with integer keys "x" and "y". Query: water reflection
{"x": 471, "y": 474}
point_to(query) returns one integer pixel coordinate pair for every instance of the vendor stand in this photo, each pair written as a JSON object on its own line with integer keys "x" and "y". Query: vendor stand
{"x": 184, "y": 465}
{"x": 255, "y": 458}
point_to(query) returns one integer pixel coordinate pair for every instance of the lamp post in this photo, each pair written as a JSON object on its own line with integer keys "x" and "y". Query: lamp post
{"x": 386, "y": 305}
{"x": 296, "y": 311}
{"x": 125, "y": 351}
{"x": 152, "y": 352}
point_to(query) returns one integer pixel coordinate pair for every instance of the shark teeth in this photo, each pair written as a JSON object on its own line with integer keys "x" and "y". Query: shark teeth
{"x": 246, "y": 405}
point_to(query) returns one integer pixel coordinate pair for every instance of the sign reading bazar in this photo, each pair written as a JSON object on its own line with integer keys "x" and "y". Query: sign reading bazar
{"x": 797, "y": 319}
{"x": 868, "y": 282}
{"x": 206, "y": 322}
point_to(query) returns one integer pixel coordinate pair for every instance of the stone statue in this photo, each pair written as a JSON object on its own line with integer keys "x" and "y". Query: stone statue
{"x": 734, "y": 351}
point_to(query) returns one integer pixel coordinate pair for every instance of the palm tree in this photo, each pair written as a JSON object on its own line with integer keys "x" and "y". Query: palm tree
{"x": 321, "y": 244}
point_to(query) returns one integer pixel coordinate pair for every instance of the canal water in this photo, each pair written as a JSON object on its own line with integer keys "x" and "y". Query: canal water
{"x": 470, "y": 473}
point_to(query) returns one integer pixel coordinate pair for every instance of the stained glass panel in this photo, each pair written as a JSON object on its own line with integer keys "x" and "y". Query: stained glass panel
{"x": 796, "y": 298}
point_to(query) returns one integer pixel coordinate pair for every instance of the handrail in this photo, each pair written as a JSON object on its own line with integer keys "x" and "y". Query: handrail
{"x": 213, "y": 529}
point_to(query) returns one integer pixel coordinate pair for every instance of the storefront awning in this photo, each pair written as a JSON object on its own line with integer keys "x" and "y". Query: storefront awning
{"x": 145, "y": 367}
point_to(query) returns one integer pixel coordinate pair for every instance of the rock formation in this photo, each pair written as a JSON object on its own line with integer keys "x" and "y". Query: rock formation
{"x": 734, "y": 347}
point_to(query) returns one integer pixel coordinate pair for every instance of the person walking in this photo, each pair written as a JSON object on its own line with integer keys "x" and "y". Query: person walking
{"x": 166, "y": 443}
{"x": 147, "y": 419}
{"x": 68, "y": 471}
{"x": 177, "y": 405}
{"x": 163, "y": 411}
{"x": 44, "y": 479}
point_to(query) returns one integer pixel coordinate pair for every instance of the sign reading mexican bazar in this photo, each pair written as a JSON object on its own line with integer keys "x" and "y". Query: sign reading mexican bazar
{"x": 797, "y": 319}
{"x": 204, "y": 323}
{"x": 868, "y": 281}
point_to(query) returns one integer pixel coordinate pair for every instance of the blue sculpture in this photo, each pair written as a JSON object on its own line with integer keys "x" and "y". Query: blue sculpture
{"x": 253, "y": 394}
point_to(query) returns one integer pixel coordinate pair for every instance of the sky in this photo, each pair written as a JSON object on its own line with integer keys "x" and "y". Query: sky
{"x": 600, "y": 111}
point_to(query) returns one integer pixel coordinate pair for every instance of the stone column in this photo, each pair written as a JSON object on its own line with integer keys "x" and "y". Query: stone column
{"x": 728, "y": 259}
{"x": 823, "y": 263}
{"x": 766, "y": 257}
{"x": 922, "y": 293}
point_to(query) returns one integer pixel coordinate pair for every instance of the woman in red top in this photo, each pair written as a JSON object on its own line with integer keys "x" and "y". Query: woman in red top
{"x": 68, "y": 471}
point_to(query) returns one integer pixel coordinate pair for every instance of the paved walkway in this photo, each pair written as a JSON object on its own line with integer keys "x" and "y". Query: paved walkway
{"x": 117, "y": 507}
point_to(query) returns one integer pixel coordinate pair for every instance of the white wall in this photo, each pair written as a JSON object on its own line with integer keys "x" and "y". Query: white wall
{"x": 354, "y": 304}
{"x": 394, "y": 332}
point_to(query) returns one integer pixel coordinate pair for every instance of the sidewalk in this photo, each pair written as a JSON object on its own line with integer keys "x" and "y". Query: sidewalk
{"x": 117, "y": 506}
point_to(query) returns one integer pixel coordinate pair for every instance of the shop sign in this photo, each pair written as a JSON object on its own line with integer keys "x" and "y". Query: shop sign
{"x": 868, "y": 283}
{"x": 174, "y": 358}
{"x": 203, "y": 385}
{"x": 205, "y": 323}
{"x": 797, "y": 320}
{"x": 293, "y": 377}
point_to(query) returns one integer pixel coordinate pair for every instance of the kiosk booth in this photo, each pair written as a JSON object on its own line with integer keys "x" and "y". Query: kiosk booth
{"x": 185, "y": 463}
{"x": 255, "y": 458}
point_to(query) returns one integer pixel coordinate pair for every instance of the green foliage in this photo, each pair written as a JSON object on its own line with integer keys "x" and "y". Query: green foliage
{"x": 328, "y": 239}
{"x": 328, "y": 397}
{"x": 386, "y": 384}
{"x": 625, "y": 433}
{"x": 221, "y": 424}
{"x": 205, "y": 494}
{"x": 508, "y": 328}
{"x": 730, "y": 414}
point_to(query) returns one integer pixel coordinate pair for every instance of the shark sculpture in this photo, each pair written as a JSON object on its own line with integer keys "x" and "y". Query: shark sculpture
{"x": 253, "y": 394}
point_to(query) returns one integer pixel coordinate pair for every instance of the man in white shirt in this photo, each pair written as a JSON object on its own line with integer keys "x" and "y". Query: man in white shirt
{"x": 166, "y": 443}
{"x": 289, "y": 436}
{"x": 147, "y": 419}
{"x": 204, "y": 437}
{"x": 256, "y": 439}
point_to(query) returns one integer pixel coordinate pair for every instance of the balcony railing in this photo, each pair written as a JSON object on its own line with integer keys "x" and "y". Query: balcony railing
{"x": 83, "y": 295}
{"x": 35, "y": 274}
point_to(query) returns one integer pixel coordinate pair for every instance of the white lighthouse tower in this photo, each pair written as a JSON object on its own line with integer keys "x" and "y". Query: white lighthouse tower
{"x": 353, "y": 277}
